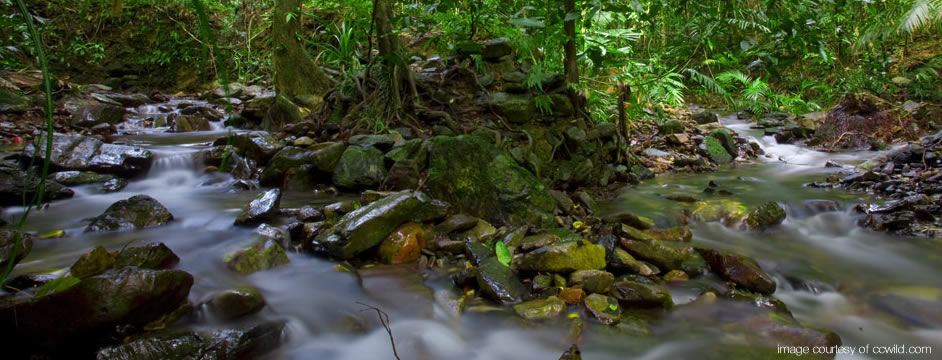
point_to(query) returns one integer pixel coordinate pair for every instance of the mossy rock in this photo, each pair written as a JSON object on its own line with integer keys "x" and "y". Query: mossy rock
{"x": 562, "y": 258}
{"x": 235, "y": 303}
{"x": 137, "y": 212}
{"x": 725, "y": 139}
{"x": 640, "y": 292}
{"x": 240, "y": 343}
{"x": 766, "y": 215}
{"x": 604, "y": 308}
{"x": 93, "y": 263}
{"x": 541, "y": 309}
{"x": 478, "y": 179}
{"x": 672, "y": 126}
{"x": 740, "y": 269}
{"x": 516, "y": 109}
{"x": 716, "y": 151}
{"x": 655, "y": 252}
{"x": 724, "y": 210}
{"x": 155, "y": 256}
{"x": 264, "y": 254}
{"x": 360, "y": 168}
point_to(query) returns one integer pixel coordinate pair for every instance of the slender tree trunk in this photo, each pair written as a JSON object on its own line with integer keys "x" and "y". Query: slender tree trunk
{"x": 390, "y": 51}
{"x": 295, "y": 71}
{"x": 571, "y": 65}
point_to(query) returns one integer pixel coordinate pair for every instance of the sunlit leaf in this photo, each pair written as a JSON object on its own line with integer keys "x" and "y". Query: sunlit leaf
{"x": 57, "y": 285}
{"x": 503, "y": 253}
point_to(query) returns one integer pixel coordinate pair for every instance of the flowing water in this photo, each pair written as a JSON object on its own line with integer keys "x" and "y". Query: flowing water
{"x": 856, "y": 270}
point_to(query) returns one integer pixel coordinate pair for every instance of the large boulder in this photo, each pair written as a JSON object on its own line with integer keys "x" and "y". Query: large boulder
{"x": 739, "y": 269}
{"x": 366, "y": 227}
{"x": 77, "y": 152}
{"x": 137, "y": 212}
{"x": 264, "y": 254}
{"x": 282, "y": 112}
{"x": 263, "y": 208}
{"x": 360, "y": 168}
{"x": 323, "y": 157}
{"x": 190, "y": 123}
{"x": 224, "y": 344}
{"x": 563, "y": 258}
{"x": 156, "y": 256}
{"x": 94, "y": 307}
{"x": 8, "y": 243}
{"x": 94, "y": 114}
{"x": 13, "y": 182}
{"x": 478, "y": 179}
{"x": 259, "y": 146}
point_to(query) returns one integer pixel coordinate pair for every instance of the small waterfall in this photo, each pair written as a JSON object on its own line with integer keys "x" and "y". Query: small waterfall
{"x": 175, "y": 161}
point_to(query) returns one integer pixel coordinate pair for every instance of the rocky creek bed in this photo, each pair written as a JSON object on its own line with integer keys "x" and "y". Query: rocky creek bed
{"x": 488, "y": 244}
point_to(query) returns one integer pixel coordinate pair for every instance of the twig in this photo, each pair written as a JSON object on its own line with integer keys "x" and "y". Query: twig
{"x": 384, "y": 319}
{"x": 839, "y": 138}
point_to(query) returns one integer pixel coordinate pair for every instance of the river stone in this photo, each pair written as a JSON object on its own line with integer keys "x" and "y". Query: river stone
{"x": 404, "y": 245}
{"x": 672, "y": 126}
{"x": 287, "y": 158}
{"x": 630, "y": 219}
{"x": 705, "y": 117}
{"x": 499, "y": 283}
{"x": 678, "y": 233}
{"x": 716, "y": 152}
{"x": 725, "y": 139}
{"x": 379, "y": 141}
{"x": 114, "y": 185}
{"x": 592, "y": 281}
{"x": 739, "y": 269}
{"x": 622, "y": 262}
{"x": 655, "y": 252}
{"x": 563, "y": 258}
{"x": 640, "y": 292}
{"x": 263, "y": 208}
{"x": 604, "y": 308}
{"x": 129, "y": 100}
{"x": 235, "y": 303}
{"x": 541, "y": 309}
{"x": 766, "y": 215}
{"x": 156, "y": 256}
{"x": 282, "y": 112}
{"x": 573, "y": 352}
{"x": 516, "y": 109}
{"x": 137, "y": 212}
{"x": 7, "y": 245}
{"x": 227, "y": 344}
{"x": 456, "y": 222}
{"x": 414, "y": 149}
{"x": 264, "y": 254}
{"x": 571, "y": 296}
{"x": 94, "y": 307}
{"x": 478, "y": 179}
{"x": 94, "y": 114}
{"x": 259, "y": 146}
{"x": 77, "y": 152}
{"x": 74, "y": 178}
{"x": 93, "y": 263}
{"x": 360, "y": 168}
{"x": 190, "y": 123}
{"x": 14, "y": 181}
{"x": 481, "y": 232}
{"x": 366, "y": 227}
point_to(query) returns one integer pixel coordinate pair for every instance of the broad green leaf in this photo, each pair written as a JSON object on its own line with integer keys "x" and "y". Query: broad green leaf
{"x": 503, "y": 253}
{"x": 57, "y": 285}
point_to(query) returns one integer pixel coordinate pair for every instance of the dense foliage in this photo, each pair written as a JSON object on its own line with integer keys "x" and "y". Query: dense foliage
{"x": 763, "y": 55}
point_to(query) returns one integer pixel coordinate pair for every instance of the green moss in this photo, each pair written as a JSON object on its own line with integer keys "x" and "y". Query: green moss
{"x": 716, "y": 151}
{"x": 563, "y": 258}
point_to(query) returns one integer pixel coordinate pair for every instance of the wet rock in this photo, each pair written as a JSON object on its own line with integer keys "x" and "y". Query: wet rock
{"x": 414, "y": 149}
{"x": 93, "y": 263}
{"x": 516, "y": 109}
{"x": 739, "y": 269}
{"x": 541, "y": 309}
{"x": 456, "y": 223}
{"x": 94, "y": 114}
{"x": 264, "y": 254}
{"x": 478, "y": 179}
{"x": 94, "y": 307}
{"x": 360, "y": 168}
{"x": 7, "y": 245}
{"x": 604, "y": 308}
{"x": 249, "y": 343}
{"x": 571, "y": 296}
{"x": 236, "y": 303}
{"x": 679, "y": 233}
{"x": 322, "y": 157}
{"x": 705, "y": 117}
{"x": 190, "y": 123}
{"x": 404, "y": 245}
{"x": 496, "y": 48}
{"x": 655, "y": 252}
{"x": 13, "y": 182}
{"x": 281, "y": 113}
{"x": 258, "y": 146}
{"x": 716, "y": 151}
{"x": 263, "y": 208}
{"x": 137, "y": 212}
{"x": 403, "y": 175}
{"x": 379, "y": 141}
{"x": 110, "y": 183}
{"x": 727, "y": 211}
{"x": 77, "y": 152}
{"x": 572, "y": 354}
{"x": 630, "y": 219}
{"x": 622, "y": 262}
{"x": 156, "y": 256}
{"x": 366, "y": 227}
{"x": 593, "y": 281}
{"x": 499, "y": 283}
{"x": 562, "y": 258}
{"x": 640, "y": 292}
{"x": 481, "y": 232}
{"x": 766, "y": 215}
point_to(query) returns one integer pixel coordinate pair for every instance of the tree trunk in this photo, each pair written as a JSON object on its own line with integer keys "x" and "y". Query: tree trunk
{"x": 571, "y": 65}
{"x": 295, "y": 71}
{"x": 390, "y": 52}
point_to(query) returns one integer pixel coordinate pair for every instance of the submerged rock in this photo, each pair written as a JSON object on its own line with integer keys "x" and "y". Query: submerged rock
{"x": 592, "y": 281}
{"x": 404, "y": 245}
{"x": 156, "y": 256}
{"x": 498, "y": 282}
{"x": 360, "y": 168}
{"x": 263, "y": 208}
{"x": 137, "y": 212}
{"x": 235, "y": 303}
{"x": 604, "y": 308}
{"x": 739, "y": 269}
{"x": 655, "y": 252}
{"x": 366, "y": 227}
{"x": 562, "y": 258}
{"x": 227, "y": 344}
{"x": 541, "y": 309}
{"x": 94, "y": 307}
{"x": 13, "y": 183}
{"x": 77, "y": 152}
{"x": 478, "y": 179}
{"x": 766, "y": 215}
{"x": 7, "y": 242}
{"x": 640, "y": 292}
{"x": 264, "y": 254}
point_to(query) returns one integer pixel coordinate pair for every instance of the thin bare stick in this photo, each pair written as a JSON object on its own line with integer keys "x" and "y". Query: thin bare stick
{"x": 384, "y": 319}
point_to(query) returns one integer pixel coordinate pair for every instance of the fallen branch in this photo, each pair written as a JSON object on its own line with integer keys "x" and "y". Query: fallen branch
{"x": 384, "y": 319}
{"x": 839, "y": 138}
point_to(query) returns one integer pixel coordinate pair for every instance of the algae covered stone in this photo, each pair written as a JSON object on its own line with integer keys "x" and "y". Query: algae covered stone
{"x": 593, "y": 281}
{"x": 499, "y": 283}
{"x": 360, "y": 168}
{"x": 640, "y": 292}
{"x": 766, "y": 215}
{"x": 264, "y": 254}
{"x": 604, "y": 308}
{"x": 404, "y": 245}
{"x": 93, "y": 263}
{"x": 137, "y": 212}
{"x": 263, "y": 208}
{"x": 563, "y": 258}
{"x": 716, "y": 151}
{"x": 235, "y": 303}
{"x": 541, "y": 309}
{"x": 151, "y": 256}
{"x": 739, "y": 269}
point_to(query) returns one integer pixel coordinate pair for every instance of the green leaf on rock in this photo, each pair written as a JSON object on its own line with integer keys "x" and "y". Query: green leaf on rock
{"x": 503, "y": 253}
{"x": 57, "y": 285}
